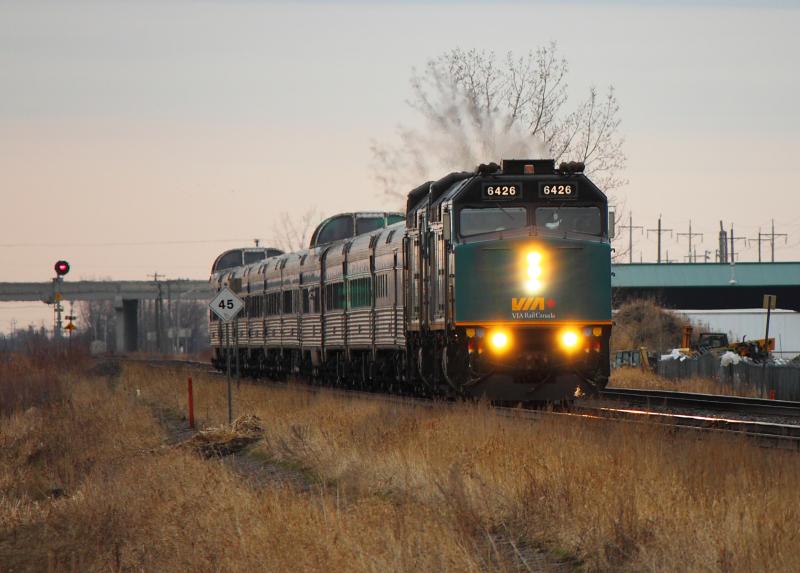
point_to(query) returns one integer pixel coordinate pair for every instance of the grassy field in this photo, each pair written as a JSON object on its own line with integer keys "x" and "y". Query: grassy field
{"x": 88, "y": 484}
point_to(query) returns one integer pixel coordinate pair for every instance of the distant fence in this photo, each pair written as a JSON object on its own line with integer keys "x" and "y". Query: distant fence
{"x": 778, "y": 381}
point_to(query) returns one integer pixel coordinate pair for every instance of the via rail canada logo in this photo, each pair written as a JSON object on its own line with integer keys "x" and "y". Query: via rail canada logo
{"x": 533, "y": 308}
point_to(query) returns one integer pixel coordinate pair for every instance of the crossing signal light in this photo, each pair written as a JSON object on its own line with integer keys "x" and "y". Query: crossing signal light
{"x": 62, "y": 268}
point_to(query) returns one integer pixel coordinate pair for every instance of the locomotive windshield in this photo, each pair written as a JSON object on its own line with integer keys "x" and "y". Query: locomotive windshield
{"x": 478, "y": 221}
{"x": 587, "y": 220}
{"x": 584, "y": 220}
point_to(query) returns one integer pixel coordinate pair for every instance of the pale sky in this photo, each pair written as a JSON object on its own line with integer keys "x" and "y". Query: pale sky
{"x": 150, "y": 136}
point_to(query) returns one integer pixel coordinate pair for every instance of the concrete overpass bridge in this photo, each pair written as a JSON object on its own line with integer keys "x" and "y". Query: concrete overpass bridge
{"x": 126, "y": 296}
{"x": 675, "y": 285}
{"x": 708, "y": 285}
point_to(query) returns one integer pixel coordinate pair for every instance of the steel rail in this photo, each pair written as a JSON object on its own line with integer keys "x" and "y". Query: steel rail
{"x": 703, "y": 401}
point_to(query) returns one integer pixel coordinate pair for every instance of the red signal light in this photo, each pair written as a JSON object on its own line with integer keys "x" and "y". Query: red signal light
{"x": 62, "y": 268}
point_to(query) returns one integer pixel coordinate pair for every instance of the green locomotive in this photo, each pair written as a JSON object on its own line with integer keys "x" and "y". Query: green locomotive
{"x": 509, "y": 281}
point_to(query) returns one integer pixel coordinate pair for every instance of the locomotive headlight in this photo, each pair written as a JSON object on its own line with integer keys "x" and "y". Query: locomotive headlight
{"x": 499, "y": 340}
{"x": 534, "y": 283}
{"x": 569, "y": 339}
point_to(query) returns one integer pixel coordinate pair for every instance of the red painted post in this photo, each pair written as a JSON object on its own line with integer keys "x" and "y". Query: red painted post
{"x": 191, "y": 404}
{"x": 772, "y": 394}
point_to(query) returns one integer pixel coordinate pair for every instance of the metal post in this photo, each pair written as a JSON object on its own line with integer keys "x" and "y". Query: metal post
{"x": 191, "y": 402}
{"x": 228, "y": 354}
{"x": 766, "y": 334}
{"x": 236, "y": 349}
{"x": 57, "y": 308}
{"x": 766, "y": 346}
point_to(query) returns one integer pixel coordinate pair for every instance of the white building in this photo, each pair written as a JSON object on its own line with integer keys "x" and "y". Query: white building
{"x": 750, "y": 323}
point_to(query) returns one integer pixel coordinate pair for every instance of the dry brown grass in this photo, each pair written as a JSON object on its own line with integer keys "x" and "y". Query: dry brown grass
{"x": 642, "y": 322}
{"x": 635, "y": 378}
{"x": 381, "y": 488}
{"x": 33, "y": 377}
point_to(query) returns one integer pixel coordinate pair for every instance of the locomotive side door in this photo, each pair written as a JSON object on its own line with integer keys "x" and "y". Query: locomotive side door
{"x": 446, "y": 272}
{"x": 413, "y": 270}
{"x": 421, "y": 269}
{"x": 435, "y": 270}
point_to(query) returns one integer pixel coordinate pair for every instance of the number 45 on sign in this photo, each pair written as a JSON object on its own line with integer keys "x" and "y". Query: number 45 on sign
{"x": 226, "y": 305}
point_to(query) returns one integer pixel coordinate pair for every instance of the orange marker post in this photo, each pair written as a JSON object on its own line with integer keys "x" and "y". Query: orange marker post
{"x": 191, "y": 403}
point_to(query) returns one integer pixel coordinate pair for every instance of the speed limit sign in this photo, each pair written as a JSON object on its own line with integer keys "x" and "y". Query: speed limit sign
{"x": 226, "y": 304}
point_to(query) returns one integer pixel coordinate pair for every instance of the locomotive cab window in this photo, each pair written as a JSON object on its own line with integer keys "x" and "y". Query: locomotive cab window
{"x": 583, "y": 220}
{"x": 491, "y": 220}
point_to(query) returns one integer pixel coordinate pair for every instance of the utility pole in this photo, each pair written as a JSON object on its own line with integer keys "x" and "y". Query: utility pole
{"x": 170, "y": 316}
{"x": 723, "y": 244}
{"x": 659, "y": 230}
{"x": 733, "y": 244}
{"x": 757, "y": 240}
{"x": 630, "y": 228}
{"x": 772, "y": 239}
{"x": 691, "y": 237}
{"x": 158, "y": 311}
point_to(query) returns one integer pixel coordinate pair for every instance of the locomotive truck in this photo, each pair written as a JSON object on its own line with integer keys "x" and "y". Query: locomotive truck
{"x": 494, "y": 283}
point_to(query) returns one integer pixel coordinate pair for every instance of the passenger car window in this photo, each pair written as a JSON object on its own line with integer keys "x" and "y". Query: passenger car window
{"x": 253, "y": 256}
{"x": 336, "y": 229}
{"x": 478, "y": 221}
{"x": 367, "y": 224}
{"x": 229, "y": 260}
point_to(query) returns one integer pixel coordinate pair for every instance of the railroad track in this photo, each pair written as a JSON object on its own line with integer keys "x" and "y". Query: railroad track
{"x": 666, "y": 398}
{"x": 771, "y": 434}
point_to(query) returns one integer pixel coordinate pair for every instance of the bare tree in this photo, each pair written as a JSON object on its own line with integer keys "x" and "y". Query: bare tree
{"x": 476, "y": 107}
{"x": 98, "y": 318}
{"x": 294, "y": 233}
